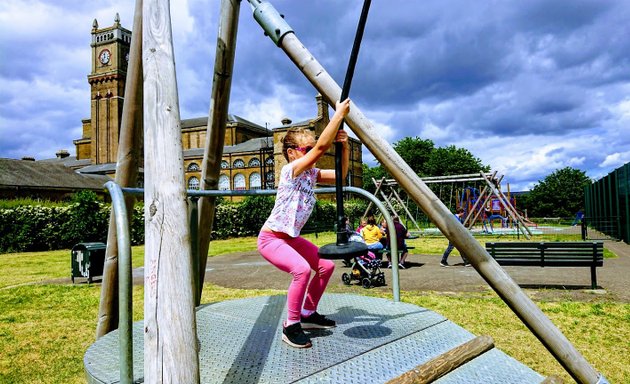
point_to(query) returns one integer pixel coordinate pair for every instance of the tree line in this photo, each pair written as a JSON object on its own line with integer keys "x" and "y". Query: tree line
{"x": 559, "y": 194}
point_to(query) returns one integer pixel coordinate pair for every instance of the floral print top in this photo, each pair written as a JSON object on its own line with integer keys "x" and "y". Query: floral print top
{"x": 294, "y": 202}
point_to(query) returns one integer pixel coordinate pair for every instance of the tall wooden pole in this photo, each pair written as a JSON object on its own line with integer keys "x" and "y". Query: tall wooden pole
{"x": 129, "y": 159}
{"x": 170, "y": 336}
{"x": 488, "y": 268}
{"x": 215, "y": 137}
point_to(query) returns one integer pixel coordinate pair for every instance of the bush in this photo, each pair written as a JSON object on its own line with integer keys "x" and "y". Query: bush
{"x": 26, "y": 228}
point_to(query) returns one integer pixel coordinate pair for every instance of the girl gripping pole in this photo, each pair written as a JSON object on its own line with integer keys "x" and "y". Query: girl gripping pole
{"x": 279, "y": 240}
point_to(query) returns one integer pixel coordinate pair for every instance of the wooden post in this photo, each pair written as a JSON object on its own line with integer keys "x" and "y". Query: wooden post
{"x": 496, "y": 277}
{"x": 215, "y": 137}
{"x": 127, "y": 166}
{"x": 446, "y": 362}
{"x": 170, "y": 337}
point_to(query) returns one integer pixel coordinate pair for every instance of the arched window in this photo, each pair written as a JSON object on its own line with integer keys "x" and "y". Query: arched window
{"x": 193, "y": 167}
{"x": 254, "y": 181}
{"x": 193, "y": 183}
{"x": 239, "y": 181}
{"x": 269, "y": 179}
{"x": 225, "y": 164}
{"x": 255, "y": 162}
{"x": 269, "y": 161}
{"x": 238, "y": 163}
{"x": 224, "y": 183}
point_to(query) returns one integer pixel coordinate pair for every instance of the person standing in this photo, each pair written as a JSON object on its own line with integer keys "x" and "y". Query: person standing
{"x": 459, "y": 214}
{"x": 279, "y": 240}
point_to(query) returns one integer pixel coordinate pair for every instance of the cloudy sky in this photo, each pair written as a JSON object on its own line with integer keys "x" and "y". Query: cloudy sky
{"x": 529, "y": 87}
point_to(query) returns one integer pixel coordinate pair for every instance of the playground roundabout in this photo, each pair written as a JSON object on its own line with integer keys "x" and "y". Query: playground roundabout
{"x": 390, "y": 338}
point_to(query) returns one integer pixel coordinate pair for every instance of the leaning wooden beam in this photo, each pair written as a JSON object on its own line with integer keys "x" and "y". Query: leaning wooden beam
{"x": 404, "y": 206}
{"x": 215, "y": 137}
{"x": 170, "y": 330}
{"x": 446, "y": 362}
{"x": 127, "y": 165}
{"x": 379, "y": 185}
{"x": 277, "y": 28}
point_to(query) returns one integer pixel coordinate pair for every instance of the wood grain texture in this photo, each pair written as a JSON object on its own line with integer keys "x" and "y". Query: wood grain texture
{"x": 446, "y": 362}
{"x": 128, "y": 163}
{"x": 170, "y": 339}
{"x": 215, "y": 137}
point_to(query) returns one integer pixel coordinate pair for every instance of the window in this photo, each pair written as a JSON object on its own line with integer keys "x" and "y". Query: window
{"x": 269, "y": 161}
{"x": 193, "y": 167}
{"x": 254, "y": 181}
{"x": 224, "y": 183}
{"x": 238, "y": 163}
{"x": 269, "y": 180}
{"x": 239, "y": 181}
{"x": 225, "y": 164}
{"x": 255, "y": 162}
{"x": 193, "y": 183}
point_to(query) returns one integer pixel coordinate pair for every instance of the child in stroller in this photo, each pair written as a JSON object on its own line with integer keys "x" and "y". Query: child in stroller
{"x": 367, "y": 270}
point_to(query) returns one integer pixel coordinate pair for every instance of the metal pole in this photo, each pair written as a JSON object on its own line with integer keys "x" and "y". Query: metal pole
{"x": 125, "y": 341}
{"x": 342, "y": 234}
{"x": 266, "y": 192}
{"x": 497, "y": 278}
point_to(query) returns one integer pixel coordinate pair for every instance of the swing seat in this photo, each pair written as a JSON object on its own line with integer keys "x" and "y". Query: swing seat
{"x": 343, "y": 251}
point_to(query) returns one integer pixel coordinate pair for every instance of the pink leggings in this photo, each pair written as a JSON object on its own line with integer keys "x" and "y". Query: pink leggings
{"x": 297, "y": 256}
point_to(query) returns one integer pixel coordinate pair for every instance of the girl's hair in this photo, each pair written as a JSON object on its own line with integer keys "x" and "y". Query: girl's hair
{"x": 293, "y": 139}
{"x": 371, "y": 220}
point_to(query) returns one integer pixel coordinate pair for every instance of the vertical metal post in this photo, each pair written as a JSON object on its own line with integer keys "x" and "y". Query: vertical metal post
{"x": 125, "y": 342}
{"x": 194, "y": 248}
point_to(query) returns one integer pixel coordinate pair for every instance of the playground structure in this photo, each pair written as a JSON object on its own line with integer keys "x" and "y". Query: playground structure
{"x": 169, "y": 332}
{"x": 479, "y": 195}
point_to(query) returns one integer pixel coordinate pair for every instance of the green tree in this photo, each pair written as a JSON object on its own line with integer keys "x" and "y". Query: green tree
{"x": 377, "y": 172}
{"x": 415, "y": 151}
{"x": 445, "y": 161}
{"x": 560, "y": 194}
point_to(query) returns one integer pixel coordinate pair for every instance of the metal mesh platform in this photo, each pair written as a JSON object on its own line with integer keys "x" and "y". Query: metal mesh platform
{"x": 375, "y": 340}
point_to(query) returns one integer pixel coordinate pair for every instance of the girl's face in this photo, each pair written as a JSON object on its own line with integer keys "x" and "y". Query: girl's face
{"x": 305, "y": 145}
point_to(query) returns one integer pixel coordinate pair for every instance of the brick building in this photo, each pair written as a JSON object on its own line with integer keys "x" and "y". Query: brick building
{"x": 252, "y": 156}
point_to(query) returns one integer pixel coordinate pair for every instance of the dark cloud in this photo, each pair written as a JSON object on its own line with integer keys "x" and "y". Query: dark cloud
{"x": 542, "y": 80}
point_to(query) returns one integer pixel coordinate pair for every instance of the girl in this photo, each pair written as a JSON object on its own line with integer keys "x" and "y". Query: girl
{"x": 279, "y": 241}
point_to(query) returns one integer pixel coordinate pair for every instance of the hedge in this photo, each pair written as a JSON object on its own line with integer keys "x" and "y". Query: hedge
{"x": 37, "y": 227}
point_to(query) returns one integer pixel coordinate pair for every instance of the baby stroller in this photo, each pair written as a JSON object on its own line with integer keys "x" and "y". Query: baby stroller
{"x": 367, "y": 270}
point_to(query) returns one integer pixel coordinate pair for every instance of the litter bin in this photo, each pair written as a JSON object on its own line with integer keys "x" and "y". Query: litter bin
{"x": 87, "y": 260}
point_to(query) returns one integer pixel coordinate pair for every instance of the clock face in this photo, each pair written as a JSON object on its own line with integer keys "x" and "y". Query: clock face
{"x": 104, "y": 56}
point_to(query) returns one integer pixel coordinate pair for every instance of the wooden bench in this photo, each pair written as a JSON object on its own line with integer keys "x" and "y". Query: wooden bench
{"x": 550, "y": 254}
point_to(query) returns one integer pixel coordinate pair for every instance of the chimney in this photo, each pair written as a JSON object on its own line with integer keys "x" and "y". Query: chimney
{"x": 62, "y": 154}
{"x": 322, "y": 107}
{"x": 286, "y": 121}
{"x": 28, "y": 158}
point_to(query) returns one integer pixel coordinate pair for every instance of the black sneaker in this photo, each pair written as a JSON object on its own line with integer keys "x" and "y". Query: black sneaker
{"x": 295, "y": 336}
{"x": 444, "y": 264}
{"x": 317, "y": 321}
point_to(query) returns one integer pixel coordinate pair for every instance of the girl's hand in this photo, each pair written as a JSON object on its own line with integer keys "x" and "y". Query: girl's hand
{"x": 343, "y": 107}
{"x": 342, "y": 137}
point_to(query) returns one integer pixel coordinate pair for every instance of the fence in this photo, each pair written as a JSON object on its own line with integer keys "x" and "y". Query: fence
{"x": 607, "y": 205}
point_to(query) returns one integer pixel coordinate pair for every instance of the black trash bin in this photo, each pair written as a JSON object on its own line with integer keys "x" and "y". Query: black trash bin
{"x": 87, "y": 260}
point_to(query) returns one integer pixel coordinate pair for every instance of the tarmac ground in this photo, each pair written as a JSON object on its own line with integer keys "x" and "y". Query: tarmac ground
{"x": 249, "y": 270}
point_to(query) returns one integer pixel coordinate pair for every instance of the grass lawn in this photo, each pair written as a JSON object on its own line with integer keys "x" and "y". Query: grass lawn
{"x": 46, "y": 328}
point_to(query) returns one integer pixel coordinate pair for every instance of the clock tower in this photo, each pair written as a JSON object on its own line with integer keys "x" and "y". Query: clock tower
{"x": 110, "y": 55}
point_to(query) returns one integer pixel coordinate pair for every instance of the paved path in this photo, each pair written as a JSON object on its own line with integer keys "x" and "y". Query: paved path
{"x": 250, "y": 270}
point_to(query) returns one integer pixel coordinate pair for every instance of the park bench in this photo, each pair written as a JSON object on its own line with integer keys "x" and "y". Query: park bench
{"x": 550, "y": 254}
